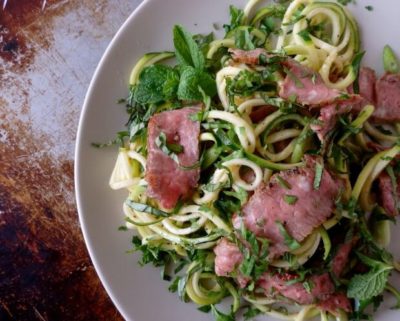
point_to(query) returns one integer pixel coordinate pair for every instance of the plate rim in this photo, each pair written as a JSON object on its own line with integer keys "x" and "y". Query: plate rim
{"x": 79, "y": 149}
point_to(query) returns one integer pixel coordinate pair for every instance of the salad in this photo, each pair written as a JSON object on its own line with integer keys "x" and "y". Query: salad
{"x": 262, "y": 169}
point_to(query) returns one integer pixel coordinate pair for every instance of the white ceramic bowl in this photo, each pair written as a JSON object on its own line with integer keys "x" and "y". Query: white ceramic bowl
{"x": 139, "y": 293}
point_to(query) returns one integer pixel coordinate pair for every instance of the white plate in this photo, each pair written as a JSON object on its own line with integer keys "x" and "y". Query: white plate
{"x": 139, "y": 293}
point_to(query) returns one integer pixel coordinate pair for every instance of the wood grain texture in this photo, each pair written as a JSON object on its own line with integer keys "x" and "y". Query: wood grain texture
{"x": 47, "y": 58}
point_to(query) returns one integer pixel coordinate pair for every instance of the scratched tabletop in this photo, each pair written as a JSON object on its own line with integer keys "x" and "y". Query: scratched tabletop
{"x": 48, "y": 53}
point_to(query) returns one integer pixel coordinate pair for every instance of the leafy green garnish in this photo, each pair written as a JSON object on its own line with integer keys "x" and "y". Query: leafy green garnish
{"x": 297, "y": 82}
{"x": 191, "y": 80}
{"x": 305, "y": 34}
{"x": 244, "y": 39}
{"x": 219, "y": 316}
{"x": 251, "y": 312}
{"x": 319, "y": 169}
{"x": 236, "y": 19}
{"x": 355, "y": 65}
{"x": 282, "y": 182}
{"x": 255, "y": 252}
{"x": 290, "y": 199}
{"x": 371, "y": 284}
{"x": 390, "y": 62}
{"x": 119, "y": 140}
{"x": 146, "y": 208}
{"x": 171, "y": 150}
{"x": 155, "y": 82}
{"x": 290, "y": 242}
{"x": 244, "y": 84}
{"x": 186, "y": 49}
{"x": 152, "y": 254}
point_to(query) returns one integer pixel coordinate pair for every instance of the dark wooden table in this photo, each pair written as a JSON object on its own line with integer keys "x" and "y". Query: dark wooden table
{"x": 48, "y": 53}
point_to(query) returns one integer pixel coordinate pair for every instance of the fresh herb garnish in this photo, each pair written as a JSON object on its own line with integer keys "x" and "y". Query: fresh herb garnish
{"x": 146, "y": 208}
{"x": 186, "y": 49}
{"x": 290, "y": 242}
{"x": 355, "y": 65}
{"x": 371, "y": 284}
{"x": 297, "y": 82}
{"x": 236, "y": 19}
{"x": 319, "y": 169}
{"x": 290, "y": 199}
{"x": 169, "y": 149}
{"x": 283, "y": 183}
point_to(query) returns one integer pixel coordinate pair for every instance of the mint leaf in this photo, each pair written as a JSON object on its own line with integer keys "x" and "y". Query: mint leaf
{"x": 151, "y": 81}
{"x": 170, "y": 86}
{"x": 366, "y": 286}
{"x": 186, "y": 49}
{"x": 191, "y": 80}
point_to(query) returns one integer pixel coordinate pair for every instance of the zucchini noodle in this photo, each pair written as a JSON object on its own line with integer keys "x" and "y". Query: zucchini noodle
{"x": 331, "y": 56}
{"x": 247, "y": 133}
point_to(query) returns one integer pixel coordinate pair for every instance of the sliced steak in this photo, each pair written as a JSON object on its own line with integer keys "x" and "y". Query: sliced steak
{"x": 267, "y": 206}
{"x": 387, "y": 99}
{"x": 387, "y": 197}
{"x": 341, "y": 258}
{"x": 249, "y": 57}
{"x": 366, "y": 84}
{"x": 260, "y": 112}
{"x": 167, "y": 181}
{"x": 305, "y": 86}
{"x": 227, "y": 257}
{"x": 334, "y": 302}
{"x": 329, "y": 115}
{"x": 321, "y": 287}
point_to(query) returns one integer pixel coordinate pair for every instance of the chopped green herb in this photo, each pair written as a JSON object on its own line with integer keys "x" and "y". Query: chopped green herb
{"x": 346, "y": 2}
{"x": 305, "y": 35}
{"x": 146, "y": 208}
{"x": 319, "y": 169}
{"x": 290, "y": 199}
{"x": 204, "y": 308}
{"x": 283, "y": 183}
{"x": 244, "y": 40}
{"x": 251, "y": 312}
{"x": 290, "y": 242}
{"x": 186, "y": 49}
{"x": 308, "y": 285}
{"x": 168, "y": 149}
{"x": 294, "y": 78}
{"x": 355, "y": 65}
{"x": 390, "y": 62}
{"x": 236, "y": 19}
{"x": 369, "y": 8}
{"x": 219, "y": 316}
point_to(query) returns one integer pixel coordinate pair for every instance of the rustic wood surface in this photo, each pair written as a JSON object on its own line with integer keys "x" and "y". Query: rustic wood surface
{"x": 48, "y": 53}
